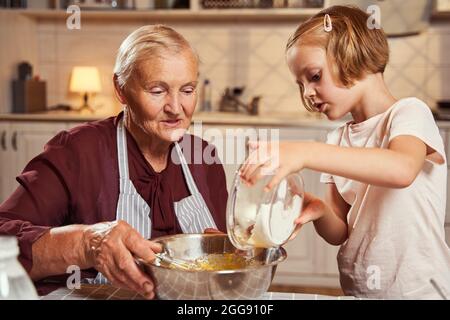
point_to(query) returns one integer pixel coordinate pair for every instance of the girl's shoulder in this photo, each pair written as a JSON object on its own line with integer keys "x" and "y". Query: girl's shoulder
{"x": 410, "y": 112}
{"x": 410, "y": 105}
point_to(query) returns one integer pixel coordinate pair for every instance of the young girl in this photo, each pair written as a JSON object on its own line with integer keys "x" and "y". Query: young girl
{"x": 385, "y": 171}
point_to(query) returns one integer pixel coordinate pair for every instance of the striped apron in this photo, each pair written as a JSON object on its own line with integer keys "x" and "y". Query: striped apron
{"x": 192, "y": 212}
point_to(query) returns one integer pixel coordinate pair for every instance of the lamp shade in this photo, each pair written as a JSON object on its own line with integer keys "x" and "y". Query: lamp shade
{"x": 85, "y": 79}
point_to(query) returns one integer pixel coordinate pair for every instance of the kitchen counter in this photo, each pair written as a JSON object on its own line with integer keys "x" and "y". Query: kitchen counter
{"x": 210, "y": 118}
{"x": 264, "y": 120}
{"x": 51, "y": 116}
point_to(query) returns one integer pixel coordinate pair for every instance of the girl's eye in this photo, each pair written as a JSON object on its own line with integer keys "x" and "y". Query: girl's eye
{"x": 316, "y": 77}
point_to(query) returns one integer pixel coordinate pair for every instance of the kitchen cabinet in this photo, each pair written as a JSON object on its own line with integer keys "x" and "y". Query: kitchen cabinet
{"x": 6, "y": 177}
{"x": 447, "y": 211}
{"x": 447, "y": 235}
{"x": 445, "y": 134}
{"x": 28, "y": 140}
{"x": 21, "y": 142}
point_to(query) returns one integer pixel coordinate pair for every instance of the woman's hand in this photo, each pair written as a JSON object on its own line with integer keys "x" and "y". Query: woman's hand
{"x": 111, "y": 247}
{"x": 277, "y": 159}
{"x": 313, "y": 209}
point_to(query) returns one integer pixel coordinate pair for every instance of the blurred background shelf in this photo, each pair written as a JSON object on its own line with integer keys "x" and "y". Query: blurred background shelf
{"x": 285, "y": 15}
{"x": 186, "y": 10}
{"x": 195, "y": 12}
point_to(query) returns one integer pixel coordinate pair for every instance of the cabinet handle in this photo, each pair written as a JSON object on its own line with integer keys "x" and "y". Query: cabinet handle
{"x": 14, "y": 141}
{"x": 3, "y": 140}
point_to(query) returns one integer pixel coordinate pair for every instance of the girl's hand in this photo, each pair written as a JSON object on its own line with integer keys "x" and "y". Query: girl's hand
{"x": 277, "y": 159}
{"x": 313, "y": 209}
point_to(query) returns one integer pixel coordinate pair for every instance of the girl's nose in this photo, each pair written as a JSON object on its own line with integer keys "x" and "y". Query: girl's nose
{"x": 309, "y": 92}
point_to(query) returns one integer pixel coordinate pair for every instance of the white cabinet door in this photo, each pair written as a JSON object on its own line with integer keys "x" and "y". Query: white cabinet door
{"x": 29, "y": 139}
{"x": 24, "y": 141}
{"x": 230, "y": 143}
{"x": 302, "y": 250}
{"x": 7, "y": 166}
{"x": 445, "y": 134}
{"x": 446, "y": 139}
{"x": 311, "y": 261}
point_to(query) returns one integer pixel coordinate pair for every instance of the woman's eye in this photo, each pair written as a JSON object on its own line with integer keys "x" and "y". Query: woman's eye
{"x": 189, "y": 90}
{"x": 157, "y": 92}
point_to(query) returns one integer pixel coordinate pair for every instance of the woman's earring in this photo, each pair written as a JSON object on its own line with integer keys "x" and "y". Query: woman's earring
{"x": 327, "y": 25}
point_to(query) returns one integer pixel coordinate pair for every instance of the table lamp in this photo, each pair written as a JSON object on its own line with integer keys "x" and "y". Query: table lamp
{"x": 85, "y": 80}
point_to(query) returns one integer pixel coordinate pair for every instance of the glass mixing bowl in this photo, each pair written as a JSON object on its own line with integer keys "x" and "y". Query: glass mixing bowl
{"x": 260, "y": 219}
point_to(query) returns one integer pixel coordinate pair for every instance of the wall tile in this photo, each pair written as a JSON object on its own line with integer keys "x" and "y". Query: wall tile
{"x": 274, "y": 80}
{"x": 46, "y": 26}
{"x": 47, "y": 47}
{"x": 49, "y": 73}
{"x": 439, "y": 49}
{"x": 409, "y": 51}
{"x": 241, "y": 54}
{"x": 438, "y": 84}
{"x": 288, "y": 103}
{"x": 268, "y": 48}
{"x": 89, "y": 49}
{"x": 408, "y": 82}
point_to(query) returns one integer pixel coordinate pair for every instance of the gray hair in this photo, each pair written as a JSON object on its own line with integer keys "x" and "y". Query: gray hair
{"x": 147, "y": 41}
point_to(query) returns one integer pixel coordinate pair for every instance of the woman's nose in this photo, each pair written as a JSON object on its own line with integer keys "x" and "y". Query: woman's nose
{"x": 173, "y": 104}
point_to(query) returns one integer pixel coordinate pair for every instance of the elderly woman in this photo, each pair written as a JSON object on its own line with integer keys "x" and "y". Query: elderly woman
{"x": 98, "y": 192}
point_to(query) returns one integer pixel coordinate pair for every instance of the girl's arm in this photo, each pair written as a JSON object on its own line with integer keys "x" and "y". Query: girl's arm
{"x": 329, "y": 216}
{"x": 334, "y": 231}
{"x": 395, "y": 167}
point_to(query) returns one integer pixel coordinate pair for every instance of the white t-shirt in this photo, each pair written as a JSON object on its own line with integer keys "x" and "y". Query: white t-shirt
{"x": 396, "y": 240}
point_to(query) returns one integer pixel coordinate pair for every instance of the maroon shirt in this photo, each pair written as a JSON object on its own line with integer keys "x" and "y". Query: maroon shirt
{"x": 76, "y": 181}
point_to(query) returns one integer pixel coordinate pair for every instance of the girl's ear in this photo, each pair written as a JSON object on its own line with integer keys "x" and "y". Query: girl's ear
{"x": 118, "y": 90}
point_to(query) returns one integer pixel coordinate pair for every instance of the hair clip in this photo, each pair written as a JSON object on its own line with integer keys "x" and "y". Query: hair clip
{"x": 327, "y": 25}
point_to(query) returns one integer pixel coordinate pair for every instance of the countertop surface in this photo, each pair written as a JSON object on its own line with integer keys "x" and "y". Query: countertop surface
{"x": 207, "y": 118}
{"x": 106, "y": 292}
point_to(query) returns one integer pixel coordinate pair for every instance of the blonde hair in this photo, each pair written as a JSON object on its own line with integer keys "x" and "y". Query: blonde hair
{"x": 145, "y": 42}
{"x": 354, "y": 49}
